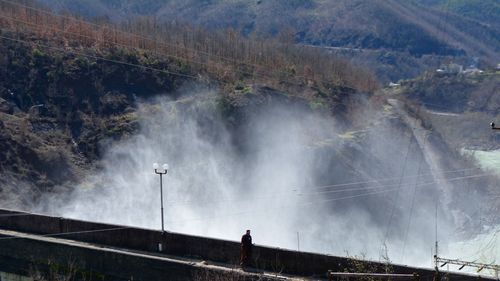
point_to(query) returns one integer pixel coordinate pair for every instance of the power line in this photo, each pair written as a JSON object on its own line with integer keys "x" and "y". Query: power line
{"x": 490, "y": 244}
{"x": 395, "y": 178}
{"x": 413, "y": 202}
{"x": 291, "y": 194}
{"x": 314, "y": 201}
{"x": 262, "y": 211}
{"x": 311, "y": 202}
{"x": 265, "y": 75}
{"x": 185, "y": 220}
{"x": 128, "y": 46}
{"x": 445, "y": 24}
{"x": 380, "y": 186}
{"x": 212, "y": 218}
{"x": 397, "y": 193}
{"x": 118, "y": 44}
{"x": 123, "y": 32}
{"x": 367, "y": 190}
{"x": 238, "y": 62}
{"x": 96, "y": 39}
{"x": 97, "y": 57}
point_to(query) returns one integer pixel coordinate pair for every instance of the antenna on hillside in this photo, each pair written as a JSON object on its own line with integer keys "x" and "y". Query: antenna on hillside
{"x": 436, "y": 257}
{"x": 436, "y": 229}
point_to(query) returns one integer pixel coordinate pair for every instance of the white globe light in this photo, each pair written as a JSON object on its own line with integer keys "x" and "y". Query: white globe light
{"x": 165, "y": 167}
{"x": 156, "y": 166}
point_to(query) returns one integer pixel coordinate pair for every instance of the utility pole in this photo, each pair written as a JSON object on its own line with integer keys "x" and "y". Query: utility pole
{"x": 437, "y": 276}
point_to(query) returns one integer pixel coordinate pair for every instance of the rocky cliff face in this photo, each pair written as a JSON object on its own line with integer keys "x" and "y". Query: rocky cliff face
{"x": 58, "y": 112}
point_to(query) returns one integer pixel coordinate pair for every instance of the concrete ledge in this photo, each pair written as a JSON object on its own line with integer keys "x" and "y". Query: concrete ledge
{"x": 216, "y": 250}
{"x": 91, "y": 262}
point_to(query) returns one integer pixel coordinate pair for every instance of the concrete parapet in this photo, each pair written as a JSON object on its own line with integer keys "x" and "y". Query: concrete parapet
{"x": 216, "y": 250}
{"x": 27, "y": 256}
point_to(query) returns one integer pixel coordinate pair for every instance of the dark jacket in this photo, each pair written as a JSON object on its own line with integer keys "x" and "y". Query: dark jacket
{"x": 246, "y": 250}
{"x": 246, "y": 241}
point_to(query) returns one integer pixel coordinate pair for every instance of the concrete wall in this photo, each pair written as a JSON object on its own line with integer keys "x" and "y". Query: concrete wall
{"x": 271, "y": 259}
{"x": 5, "y": 276}
{"x": 30, "y": 257}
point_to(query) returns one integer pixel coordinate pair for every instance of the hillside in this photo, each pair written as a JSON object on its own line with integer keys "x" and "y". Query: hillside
{"x": 459, "y": 106}
{"x": 393, "y": 25}
{"x": 409, "y": 30}
{"x": 484, "y": 11}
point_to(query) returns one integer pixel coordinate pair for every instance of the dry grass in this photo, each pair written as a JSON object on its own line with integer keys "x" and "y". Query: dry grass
{"x": 224, "y": 56}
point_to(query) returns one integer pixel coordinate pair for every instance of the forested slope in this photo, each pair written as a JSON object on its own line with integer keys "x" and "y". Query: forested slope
{"x": 395, "y": 39}
{"x": 419, "y": 27}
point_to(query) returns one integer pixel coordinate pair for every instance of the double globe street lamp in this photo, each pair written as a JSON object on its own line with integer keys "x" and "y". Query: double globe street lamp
{"x": 161, "y": 171}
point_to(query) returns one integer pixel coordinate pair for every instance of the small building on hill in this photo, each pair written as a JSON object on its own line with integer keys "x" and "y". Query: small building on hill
{"x": 472, "y": 71}
{"x": 451, "y": 68}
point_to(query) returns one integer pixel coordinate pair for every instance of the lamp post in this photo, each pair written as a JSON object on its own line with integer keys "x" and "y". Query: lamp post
{"x": 161, "y": 172}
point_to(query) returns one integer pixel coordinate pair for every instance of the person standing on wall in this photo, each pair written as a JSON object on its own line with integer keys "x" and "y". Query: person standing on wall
{"x": 246, "y": 249}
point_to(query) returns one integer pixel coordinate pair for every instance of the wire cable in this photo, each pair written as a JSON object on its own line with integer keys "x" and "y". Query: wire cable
{"x": 99, "y": 57}
{"x": 130, "y": 46}
{"x": 412, "y": 203}
{"x": 393, "y": 209}
{"x": 294, "y": 193}
{"x": 310, "y": 203}
{"x": 196, "y": 219}
{"x": 202, "y": 219}
{"x": 263, "y": 211}
{"x": 269, "y": 75}
{"x": 70, "y": 18}
{"x": 258, "y": 67}
{"x": 395, "y": 178}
